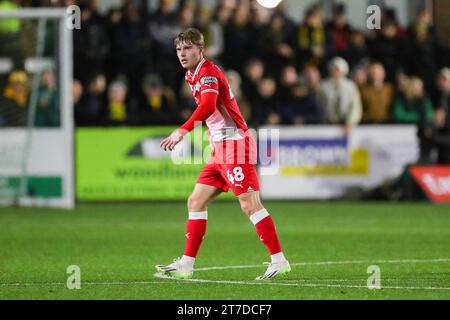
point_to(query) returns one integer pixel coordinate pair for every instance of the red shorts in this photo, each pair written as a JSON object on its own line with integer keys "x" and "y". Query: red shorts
{"x": 232, "y": 165}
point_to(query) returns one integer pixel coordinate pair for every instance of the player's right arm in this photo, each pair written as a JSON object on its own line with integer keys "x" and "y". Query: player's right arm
{"x": 203, "y": 112}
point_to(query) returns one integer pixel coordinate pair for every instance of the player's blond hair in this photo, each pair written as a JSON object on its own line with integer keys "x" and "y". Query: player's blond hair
{"x": 191, "y": 35}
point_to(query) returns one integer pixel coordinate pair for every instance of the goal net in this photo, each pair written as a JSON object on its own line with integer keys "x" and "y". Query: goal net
{"x": 36, "y": 123}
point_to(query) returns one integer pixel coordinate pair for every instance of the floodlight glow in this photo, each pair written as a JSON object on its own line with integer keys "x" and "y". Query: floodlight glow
{"x": 270, "y": 4}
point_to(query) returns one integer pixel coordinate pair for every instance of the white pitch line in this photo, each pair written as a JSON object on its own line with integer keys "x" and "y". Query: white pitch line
{"x": 331, "y": 263}
{"x": 18, "y": 284}
{"x": 14, "y": 284}
{"x": 313, "y": 285}
{"x": 267, "y": 283}
{"x": 161, "y": 276}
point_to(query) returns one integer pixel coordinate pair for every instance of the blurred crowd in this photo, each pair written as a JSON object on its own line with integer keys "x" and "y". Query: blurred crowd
{"x": 317, "y": 71}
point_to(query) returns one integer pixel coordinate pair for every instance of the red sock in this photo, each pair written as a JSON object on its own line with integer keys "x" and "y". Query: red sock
{"x": 195, "y": 232}
{"x": 266, "y": 230}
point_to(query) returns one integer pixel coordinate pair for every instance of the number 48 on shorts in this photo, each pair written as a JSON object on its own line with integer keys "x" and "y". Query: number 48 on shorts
{"x": 237, "y": 175}
{"x": 242, "y": 178}
{"x": 239, "y": 178}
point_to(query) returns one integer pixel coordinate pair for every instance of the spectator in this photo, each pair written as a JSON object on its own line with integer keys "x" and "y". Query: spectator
{"x": 423, "y": 62}
{"x": 312, "y": 39}
{"x": 265, "y": 110}
{"x": 77, "y": 93}
{"x": 129, "y": 46}
{"x": 94, "y": 5}
{"x": 223, "y": 12}
{"x": 312, "y": 77}
{"x": 339, "y": 31}
{"x": 401, "y": 81}
{"x": 260, "y": 16}
{"x": 188, "y": 4}
{"x": 302, "y": 108}
{"x": 388, "y": 48}
{"x": 186, "y": 18}
{"x": 288, "y": 79}
{"x": 274, "y": 47}
{"x": 67, "y": 3}
{"x": 289, "y": 26}
{"x": 390, "y": 14}
{"x": 213, "y": 32}
{"x": 439, "y": 137}
{"x": 237, "y": 35}
{"x": 114, "y": 17}
{"x": 359, "y": 75}
{"x": 377, "y": 96}
{"x": 422, "y": 21}
{"x": 358, "y": 52}
{"x": 157, "y": 107}
{"x": 164, "y": 27}
{"x": 441, "y": 96}
{"x": 13, "y": 111}
{"x": 416, "y": 108}
{"x": 340, "y": 97}
{"x": 117, "y": 107}
{"x": 254, "y": 72}
{"x": 47, "y": 111}
{"x": 91, "y": 111}
{"x": 91, "y": 45}
{"x": 235, "y": 81}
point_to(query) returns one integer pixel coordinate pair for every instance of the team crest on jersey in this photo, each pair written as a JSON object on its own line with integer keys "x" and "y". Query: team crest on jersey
{"x": 195, "y": 88}
{"x": 208, "y": 80}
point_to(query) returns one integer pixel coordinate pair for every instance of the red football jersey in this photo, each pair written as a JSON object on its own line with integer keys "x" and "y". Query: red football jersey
{"x": 226, "y": 122}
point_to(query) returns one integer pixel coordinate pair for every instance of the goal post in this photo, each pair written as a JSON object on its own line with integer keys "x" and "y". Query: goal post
{"x": 36, "y": 108}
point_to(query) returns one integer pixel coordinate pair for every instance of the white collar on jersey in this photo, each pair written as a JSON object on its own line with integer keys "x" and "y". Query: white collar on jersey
{"x": 198, "y": 68}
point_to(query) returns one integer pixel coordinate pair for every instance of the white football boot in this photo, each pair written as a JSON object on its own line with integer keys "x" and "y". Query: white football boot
{"x": 176, "y": 270}
{"x": 275, "y": 269}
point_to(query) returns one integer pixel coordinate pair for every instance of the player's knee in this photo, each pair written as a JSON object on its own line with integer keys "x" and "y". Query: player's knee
{"x": 248, "y": 208}
{"x": 195, "y": 204}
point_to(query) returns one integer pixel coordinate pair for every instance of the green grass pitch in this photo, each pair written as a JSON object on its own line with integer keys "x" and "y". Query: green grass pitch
{"x": 330, "y": 245}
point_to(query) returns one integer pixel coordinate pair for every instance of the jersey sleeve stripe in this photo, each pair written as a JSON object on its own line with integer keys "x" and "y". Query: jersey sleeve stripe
{"x": 210, "y": 90}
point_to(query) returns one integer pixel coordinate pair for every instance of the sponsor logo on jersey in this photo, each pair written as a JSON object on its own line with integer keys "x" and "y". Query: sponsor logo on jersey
{"x": 208, "y": 80}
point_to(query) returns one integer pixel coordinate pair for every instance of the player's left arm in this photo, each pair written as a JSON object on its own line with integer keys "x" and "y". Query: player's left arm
{"x": 209, "y": 91}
